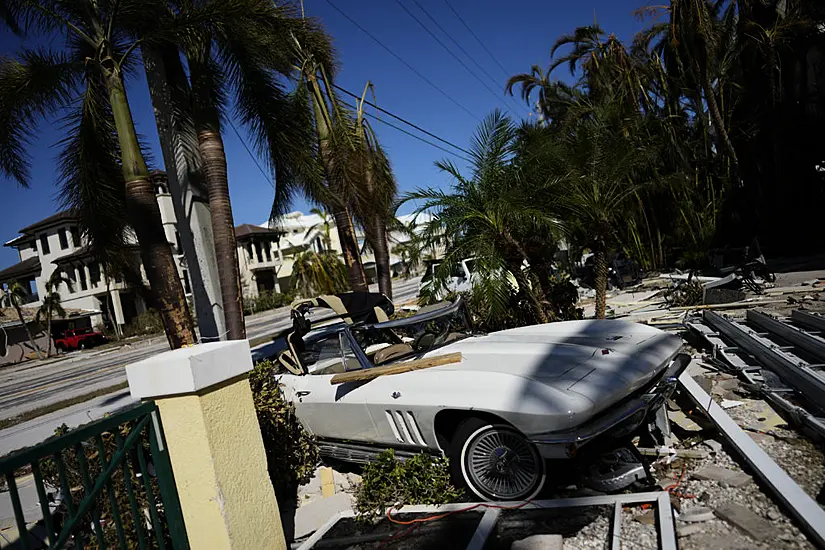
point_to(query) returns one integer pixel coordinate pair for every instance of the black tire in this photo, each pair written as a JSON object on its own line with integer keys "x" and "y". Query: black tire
{"x": 479, "y": 460}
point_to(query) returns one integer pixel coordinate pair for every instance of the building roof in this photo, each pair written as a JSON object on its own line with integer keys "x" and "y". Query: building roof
{"x": 248, "y": 230}
{"x": 30, "y": 267}
{"x": 54, "y": 219}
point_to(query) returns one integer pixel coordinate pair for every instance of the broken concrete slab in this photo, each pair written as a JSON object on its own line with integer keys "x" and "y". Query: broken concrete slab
{"x": 539, "y": 542}
{"x": 311, "y": 516}
{"x": 746, "y": 521}
{"x": 721, "y": 475}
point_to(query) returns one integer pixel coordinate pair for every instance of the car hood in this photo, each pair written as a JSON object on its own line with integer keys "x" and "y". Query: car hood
{"x": 601, "y": 360}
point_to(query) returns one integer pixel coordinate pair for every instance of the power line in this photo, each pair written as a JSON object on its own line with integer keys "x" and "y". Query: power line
{"x": 251, "y": 155}
{"x": 401, "y": 119}
{"x": 465, "y": 52}
{"x": 466, "y": 26}
{"x": 398, "y": 57}
{"x": 419, "y": 138}
{"x": 449, "y": 51}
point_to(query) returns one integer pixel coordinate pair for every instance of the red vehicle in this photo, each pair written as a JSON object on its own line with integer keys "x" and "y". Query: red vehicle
{"x": 79, "y": 338}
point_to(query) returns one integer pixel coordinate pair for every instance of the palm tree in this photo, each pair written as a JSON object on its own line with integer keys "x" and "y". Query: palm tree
{"x": 373, "y": 205}
{"x": 317, "y": 273}
{"x": 325, "y": 225}
{"x": 103, "y": 171}
{"x": 336, "y": 152}
{"x": 51, "y": 305}
{"x": 17, "y": 295}
{"x": 239, "y": 49}
{"x": 596, "y": 164}
{"x": 487, "y": 216}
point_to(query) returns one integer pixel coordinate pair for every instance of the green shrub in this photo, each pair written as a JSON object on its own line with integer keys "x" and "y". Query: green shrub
{"x": 266, "y": 300}
{"x": 388, "y": 481}
{"x": 147, "y": 323}
{"x": 291, "y": 453}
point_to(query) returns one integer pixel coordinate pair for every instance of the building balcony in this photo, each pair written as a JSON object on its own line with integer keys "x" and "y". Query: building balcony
{"x": 272, "y": 263}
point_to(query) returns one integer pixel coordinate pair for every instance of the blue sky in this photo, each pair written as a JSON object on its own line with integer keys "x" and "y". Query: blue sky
{"x": 519, "y": 33}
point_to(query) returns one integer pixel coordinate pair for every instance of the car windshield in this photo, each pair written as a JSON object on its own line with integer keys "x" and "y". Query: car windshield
{"x": 431, "y": 327}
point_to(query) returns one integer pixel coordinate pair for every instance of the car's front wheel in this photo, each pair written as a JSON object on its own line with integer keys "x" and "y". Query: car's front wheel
{"x": 496, "y": 461}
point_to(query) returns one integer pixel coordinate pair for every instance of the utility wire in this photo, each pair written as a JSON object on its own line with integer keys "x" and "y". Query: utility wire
{"x": 251, "y": 155}
{"x": 465, "y": 52}
{"x": 399, "y": 58}
{"x": 449, "y": 51}
{"x": 401, "y": 119}
{"x": 466, "y": 26}
{"x": 419, "y": 138}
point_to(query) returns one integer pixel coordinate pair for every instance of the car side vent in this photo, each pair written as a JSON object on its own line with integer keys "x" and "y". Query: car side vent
{"x": 404, "y": 427}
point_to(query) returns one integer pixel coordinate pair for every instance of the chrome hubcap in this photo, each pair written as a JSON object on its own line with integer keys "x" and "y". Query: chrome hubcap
{"x": 503, "y": 464}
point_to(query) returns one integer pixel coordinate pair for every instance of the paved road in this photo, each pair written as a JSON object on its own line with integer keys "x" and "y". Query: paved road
{"x": 31, "y": 385}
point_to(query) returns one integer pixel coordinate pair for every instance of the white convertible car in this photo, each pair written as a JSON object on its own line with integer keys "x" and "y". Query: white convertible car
{"x": 505, "y": 407}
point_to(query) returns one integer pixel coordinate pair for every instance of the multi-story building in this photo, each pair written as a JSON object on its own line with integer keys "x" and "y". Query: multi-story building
{"x": 56, "y": 243}
{"x": 266, "y": 252}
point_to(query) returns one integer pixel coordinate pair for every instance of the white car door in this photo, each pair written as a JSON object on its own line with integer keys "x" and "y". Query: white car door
{"x": 329, "y": 411}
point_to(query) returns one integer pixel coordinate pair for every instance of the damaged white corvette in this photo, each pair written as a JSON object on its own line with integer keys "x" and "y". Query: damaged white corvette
{"x": 509, "y": 409}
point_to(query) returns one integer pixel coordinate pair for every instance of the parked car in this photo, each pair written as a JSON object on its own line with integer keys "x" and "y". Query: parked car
{"x": 460, "y": 280}
{"x": 498, "y": 405}
{"x": 79, "y": 338}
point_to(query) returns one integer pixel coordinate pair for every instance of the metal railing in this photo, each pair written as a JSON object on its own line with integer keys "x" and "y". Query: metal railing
{"x": 108, "y": 484}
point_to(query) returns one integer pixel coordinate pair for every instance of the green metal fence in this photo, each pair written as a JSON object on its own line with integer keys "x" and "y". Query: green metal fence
{"x": 107, "y": 484}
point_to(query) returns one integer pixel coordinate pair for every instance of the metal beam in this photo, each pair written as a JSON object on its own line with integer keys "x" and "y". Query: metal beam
{"x": 808, "y": 319}
{"x": 808, "y": 423}
{"x": 789, "y": 367}
{"x": 799, "y": 504}
{"x": 815, "y": 345}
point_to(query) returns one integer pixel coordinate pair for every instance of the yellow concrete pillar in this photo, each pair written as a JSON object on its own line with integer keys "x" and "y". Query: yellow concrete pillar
{"x": 214, "y": 443}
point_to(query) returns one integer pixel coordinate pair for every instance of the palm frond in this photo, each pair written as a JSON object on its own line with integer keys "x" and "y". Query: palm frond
{"x": 34, "y": 85}
{"x": 91, "y": 180}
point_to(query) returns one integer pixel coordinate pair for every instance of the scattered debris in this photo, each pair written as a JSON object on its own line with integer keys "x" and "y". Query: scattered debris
{"x": 755, "y": 527}
{"x": 696, "y": 514}
{"x": 730, "y": 403}
{"x": 722, "y": 475}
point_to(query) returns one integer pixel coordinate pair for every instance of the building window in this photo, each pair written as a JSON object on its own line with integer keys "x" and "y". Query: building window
{"x": 178, "y": 247}
{"x": 44, "y": 244}
{"x": 250, "y": 252}
{"x": 64, "y": 241}
{"x": 84, "y": 285}
{"x": 75, "y": 237}
{"x": 94, "y": 273}
{"x": 268, "y": 251}
{"x": 187, "y": 288}
{"x": 70, "y": 279}
{"x": 258, "y": 252}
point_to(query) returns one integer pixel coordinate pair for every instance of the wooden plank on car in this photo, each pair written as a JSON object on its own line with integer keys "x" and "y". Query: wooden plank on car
{"x": 418, "y": 364}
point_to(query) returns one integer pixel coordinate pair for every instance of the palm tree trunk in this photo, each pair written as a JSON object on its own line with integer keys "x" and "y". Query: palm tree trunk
{"x": 719, "y": 122}
{"x": 349, "y": 248}
{"x": 28, "y": 330}
{"x": 600, "y": 268}
{"x": 145, "y": 220}
{"x": 169, "y": 87}
{"x": 382, "y": 257}
{"x": 49, "y": 332}
{"x": 223, "y": 230}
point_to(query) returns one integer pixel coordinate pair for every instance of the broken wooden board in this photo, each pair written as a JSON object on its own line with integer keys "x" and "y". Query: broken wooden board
{"x": 418, "y": 364}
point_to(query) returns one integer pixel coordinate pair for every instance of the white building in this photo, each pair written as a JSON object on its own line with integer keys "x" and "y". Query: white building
{"x": 266, "y": 252}
{"x": 56, "y": 243}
